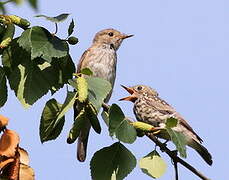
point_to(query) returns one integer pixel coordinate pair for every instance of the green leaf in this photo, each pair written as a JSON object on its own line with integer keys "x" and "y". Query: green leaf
{"x": 116, "y": 117}
{"x": 49, "y": 129}
{"x": 86, "y": 71}
{"x": 3, "y": 87}
{"x": 171, "y": 122}
{"x": 14, "y": 55}
{"x": 33, "y": 3}
{"x": 115, "y": 161}
{"x": 179, "y": 140}
{"x": 56, "y": 19}
{"x": 98, "y": 89}
{"x": 40, "y": 43}
{"x": 63, "y": 68}
{"x": 153, "y": 165}
{"x": 68, "y": 104}
{"x": 78, "y": 124}
{"x": 92, "y": 116}
{"x": 71, "y": 28}
{"x": 31, "y": 81}
{"x": 120, "y": 126}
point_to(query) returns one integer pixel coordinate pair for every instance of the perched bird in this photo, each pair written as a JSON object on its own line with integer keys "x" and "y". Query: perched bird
{"x": 151, "y": 109}
{"x": 101, "y": 59}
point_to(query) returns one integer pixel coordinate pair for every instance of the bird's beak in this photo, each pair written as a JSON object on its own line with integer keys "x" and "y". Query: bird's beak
{"x": 124, "y": 36}
{"x": 132, "y": 97}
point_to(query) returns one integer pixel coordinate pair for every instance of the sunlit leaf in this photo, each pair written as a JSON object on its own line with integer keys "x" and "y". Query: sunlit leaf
{"x": 98, "y": 89}
{"x": 115, "y": 161}
{"x": 68, "y": 104}
{"x": 30, "y": 82}
{"x": 153, "y": 165}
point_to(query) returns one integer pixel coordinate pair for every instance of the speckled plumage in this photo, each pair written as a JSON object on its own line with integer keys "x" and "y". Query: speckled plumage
{"x": 101, "y": 58}
{"x": 151, "y": 109}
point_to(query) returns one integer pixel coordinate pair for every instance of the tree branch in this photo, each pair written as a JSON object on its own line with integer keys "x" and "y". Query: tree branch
{"x": 176, "y": 169}
{"x": 175, "y": 158}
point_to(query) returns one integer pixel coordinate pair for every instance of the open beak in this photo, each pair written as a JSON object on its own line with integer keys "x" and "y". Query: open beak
{"x": 132, "y": 97}
{"x": 124, "y": 36}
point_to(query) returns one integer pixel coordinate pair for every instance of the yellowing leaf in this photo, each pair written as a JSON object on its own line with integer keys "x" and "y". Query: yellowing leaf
{"x": 8, "y": 143}
{"x": 153, "y": 165}
{"x": 6, "y": 162}
{"x": 26, "y": 172}
{"x": 3, "y": 121}
{"x": 24, "y": 156}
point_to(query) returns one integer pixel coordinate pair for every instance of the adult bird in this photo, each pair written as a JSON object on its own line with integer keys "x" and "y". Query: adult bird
{"x": 101, "y": 59}
{"x": 151, "y": 109}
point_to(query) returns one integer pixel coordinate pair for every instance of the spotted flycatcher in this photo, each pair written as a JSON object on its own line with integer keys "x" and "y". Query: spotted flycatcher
{"x": 101, "y": 59}
{"x": 151, "y": 109}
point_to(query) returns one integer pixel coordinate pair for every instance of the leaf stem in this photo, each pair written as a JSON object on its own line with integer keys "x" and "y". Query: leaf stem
{"x": 56, "y": 26}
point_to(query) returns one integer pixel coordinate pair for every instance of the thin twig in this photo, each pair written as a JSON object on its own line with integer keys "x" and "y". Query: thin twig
{"x": 176, "y": 169}
{"x": 56, "y": 29}
{"x": 105, "y": 107}
{"x": 174, "y": 156}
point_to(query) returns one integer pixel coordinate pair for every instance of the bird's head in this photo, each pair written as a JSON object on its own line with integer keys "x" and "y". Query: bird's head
{"x": 110, "y": 37}
{"x": 138, "y": 91}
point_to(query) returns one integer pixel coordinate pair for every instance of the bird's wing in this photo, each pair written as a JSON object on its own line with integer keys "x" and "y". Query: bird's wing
{"x": 164, "y": 108}
{"x": 82, "y": 63}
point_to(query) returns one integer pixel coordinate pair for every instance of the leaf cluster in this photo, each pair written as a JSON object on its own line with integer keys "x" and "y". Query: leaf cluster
{"x": 38, "y": 62}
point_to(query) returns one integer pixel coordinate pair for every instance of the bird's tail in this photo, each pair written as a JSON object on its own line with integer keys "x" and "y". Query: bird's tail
{"x": 82, "y": 142}
{"x": 202, "y": 151}
{"x": 83, "y": 136}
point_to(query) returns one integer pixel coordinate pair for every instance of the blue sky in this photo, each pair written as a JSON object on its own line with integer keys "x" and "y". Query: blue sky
{"x": 180, "y": 48}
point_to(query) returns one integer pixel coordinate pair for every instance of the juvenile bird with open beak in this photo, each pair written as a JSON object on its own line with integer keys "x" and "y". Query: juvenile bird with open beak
{"x": 101, "y": 59}
{"x": 151, "y": 109}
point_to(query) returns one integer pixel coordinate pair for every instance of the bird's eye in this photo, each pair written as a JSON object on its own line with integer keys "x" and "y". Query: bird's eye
{"x": 111, "y": 34}
{"x": 139, "y": 88}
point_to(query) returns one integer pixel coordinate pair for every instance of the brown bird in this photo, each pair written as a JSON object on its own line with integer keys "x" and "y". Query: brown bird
{"x": 101, "y": 59}
{"x": 151, "y": 109}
